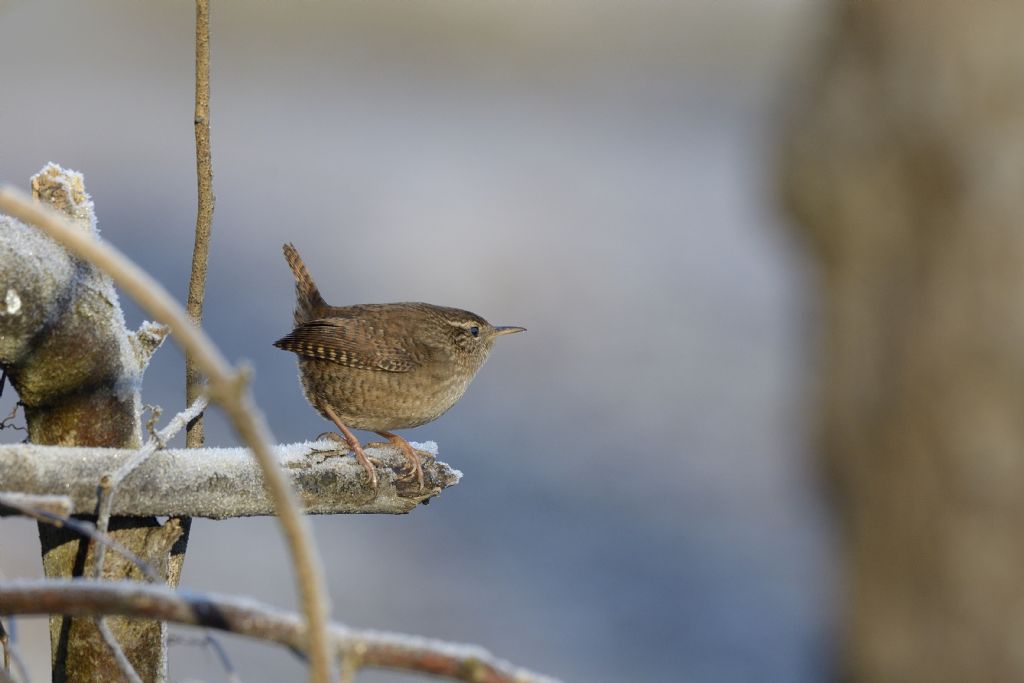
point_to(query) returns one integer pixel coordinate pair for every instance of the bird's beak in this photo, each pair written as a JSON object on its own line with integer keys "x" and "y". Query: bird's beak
{"x": 510, "y": 329}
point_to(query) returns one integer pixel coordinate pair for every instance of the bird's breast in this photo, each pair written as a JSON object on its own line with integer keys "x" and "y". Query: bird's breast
{"x": 377, "y": 400}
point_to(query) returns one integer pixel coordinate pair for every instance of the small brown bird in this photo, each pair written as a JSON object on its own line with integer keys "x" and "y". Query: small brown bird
{"x": 382, "y": 367}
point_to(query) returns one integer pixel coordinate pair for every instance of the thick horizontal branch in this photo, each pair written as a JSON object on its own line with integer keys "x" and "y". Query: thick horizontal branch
{"x": 372, "y": 649}
{"x": 221, "y": 482}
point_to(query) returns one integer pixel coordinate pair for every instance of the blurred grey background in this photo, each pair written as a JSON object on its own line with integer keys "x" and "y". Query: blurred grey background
{"x": 639, "y": 502}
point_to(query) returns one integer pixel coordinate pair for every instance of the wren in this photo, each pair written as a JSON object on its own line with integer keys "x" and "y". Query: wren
{"x": 382, "y": 367}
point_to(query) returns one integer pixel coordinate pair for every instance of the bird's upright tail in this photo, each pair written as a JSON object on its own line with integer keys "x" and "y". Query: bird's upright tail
{"x": 308, "y": 302}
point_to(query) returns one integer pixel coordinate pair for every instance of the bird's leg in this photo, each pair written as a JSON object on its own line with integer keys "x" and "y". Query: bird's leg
{"x": 338, "y": 438}
{"x": 414, "y": 459}
{"x": 353, "y": 443}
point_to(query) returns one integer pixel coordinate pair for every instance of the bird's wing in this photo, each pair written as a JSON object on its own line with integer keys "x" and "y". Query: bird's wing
{"x": 352, "y": 342}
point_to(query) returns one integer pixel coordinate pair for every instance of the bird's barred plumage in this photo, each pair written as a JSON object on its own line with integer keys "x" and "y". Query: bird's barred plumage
{"x": 354, "y": 343}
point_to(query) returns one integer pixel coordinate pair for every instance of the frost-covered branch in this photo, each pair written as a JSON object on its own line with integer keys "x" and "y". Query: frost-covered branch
{"x": 221, "y": 482}
{"x": 372, "y": 649}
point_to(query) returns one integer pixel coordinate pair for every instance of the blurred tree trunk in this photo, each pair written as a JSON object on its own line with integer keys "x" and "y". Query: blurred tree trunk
{"x": 905, "y": 168}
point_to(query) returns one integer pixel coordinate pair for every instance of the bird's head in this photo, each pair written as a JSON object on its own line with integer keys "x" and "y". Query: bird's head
{"x": 472, "y": 336}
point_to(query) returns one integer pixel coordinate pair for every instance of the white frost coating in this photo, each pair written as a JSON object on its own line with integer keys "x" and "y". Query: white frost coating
{"x": 301, "y": 450}
{"x": 12, "y": 302}
{"x": 427, "y": 446}
{"x": 38, "y": 272}
{"x": 71, "y": 183}
{"x": 221, "y": 482}
{"x": 146, "y": 340}
{"x": 152, "y": 329}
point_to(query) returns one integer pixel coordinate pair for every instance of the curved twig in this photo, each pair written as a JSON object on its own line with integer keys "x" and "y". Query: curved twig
{"x": 209, "y": 642}
{"x": 371, "y": 649}
{"x": 226, "y": 387}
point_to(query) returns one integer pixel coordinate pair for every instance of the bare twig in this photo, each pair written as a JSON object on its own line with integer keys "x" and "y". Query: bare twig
{"x": 154, "y": 417}
{"x": 220, "y": 482}
{"x": 109, "y": 482}
{"x": 245, "y": 617}
{"x": 4, "y": 644}
{"x": 6, "y": 423}
{"x": 209, "y": 642}
{"x": 20, "y": 501}
{"x": 79, "y": 526}
{"x": 120, "y": 657}
{"x": 11, "y": 656}
{"x": 226, "y": 387}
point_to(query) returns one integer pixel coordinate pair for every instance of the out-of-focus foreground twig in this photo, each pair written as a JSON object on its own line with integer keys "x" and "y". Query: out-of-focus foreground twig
{"x": 372, "y": 649}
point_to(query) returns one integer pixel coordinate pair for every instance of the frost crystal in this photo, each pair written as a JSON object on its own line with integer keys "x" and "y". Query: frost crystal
{"x": 12, "y": 302}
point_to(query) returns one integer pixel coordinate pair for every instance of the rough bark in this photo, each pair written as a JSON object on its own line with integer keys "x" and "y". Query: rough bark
{"x": 78, "y": 370}
{"x": 905, "y": 168}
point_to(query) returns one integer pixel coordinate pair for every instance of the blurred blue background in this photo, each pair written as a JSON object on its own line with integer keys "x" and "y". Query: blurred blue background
{"x": 640, "y": 501}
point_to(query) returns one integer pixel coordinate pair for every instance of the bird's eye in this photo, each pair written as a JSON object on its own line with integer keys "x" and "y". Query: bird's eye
{"x": 475, "y": 331}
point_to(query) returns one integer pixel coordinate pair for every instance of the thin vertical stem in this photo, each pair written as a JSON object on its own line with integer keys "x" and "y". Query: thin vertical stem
{"x": 204, "y": 215}
{"x": 194, "y": 435}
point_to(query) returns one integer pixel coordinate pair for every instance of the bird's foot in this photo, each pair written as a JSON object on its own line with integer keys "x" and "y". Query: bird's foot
{"x": 340, "y": 440}
{"x": 415, "y": 466}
